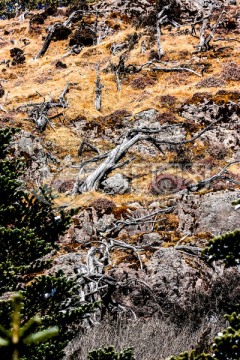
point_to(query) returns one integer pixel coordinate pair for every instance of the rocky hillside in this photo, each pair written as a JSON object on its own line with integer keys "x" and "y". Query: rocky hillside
{"x": 130, "y": 112}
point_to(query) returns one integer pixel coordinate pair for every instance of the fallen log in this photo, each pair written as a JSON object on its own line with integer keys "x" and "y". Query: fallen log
{"x": 175, "y": 69}
{"x": 113, "y": 157}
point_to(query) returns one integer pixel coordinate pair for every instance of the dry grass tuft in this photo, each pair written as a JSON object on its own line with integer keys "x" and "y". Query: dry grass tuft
{"x": 152, "y": 339}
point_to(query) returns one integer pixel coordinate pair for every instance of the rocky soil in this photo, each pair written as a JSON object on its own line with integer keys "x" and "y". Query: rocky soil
{"x": 158, "y": 211}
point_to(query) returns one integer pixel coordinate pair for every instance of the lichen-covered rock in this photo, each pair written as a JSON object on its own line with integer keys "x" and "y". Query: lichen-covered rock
{"x": 70, "y": 264}
{"x": 36, "y": 157}
{"x": 86, "y": 226}
{"x": 175, "y": 284}
{"x": 117, "y": 184}
{"x": 146, "y": 118}
{"x": 211, "y": 212}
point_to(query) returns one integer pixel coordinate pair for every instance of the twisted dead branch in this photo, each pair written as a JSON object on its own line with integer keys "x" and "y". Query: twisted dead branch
{"x": 221, "y": 175}
{"x": 75, "y": 50}
{"x": 96, "y": 285}
{"x": 205, "y": 39}
{"x": 161, "y": 18}
{"x": 113, "y": 157}
{"x": 176, "y": 69}
{"x": 130, "y": 221}
{"x": 39, "y": 112}
{"x": 85, "y": 146}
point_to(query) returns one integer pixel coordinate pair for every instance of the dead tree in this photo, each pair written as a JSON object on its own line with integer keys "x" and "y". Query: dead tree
{"x": 65, "y": 26}
{"x": 205, "y": 39}
{"x": 211, "y": 35}
{"x": 54, "y": 29}
{"x": 122, "y": 69}
{"x": 113, "y": 157}
{"x": 51, "y": 33}
{"x": 161, "y": 18}
{"x": 96, "y": 27}
{"x": 39, "y": 112}
{"x": 176, "y": 69}
{"x": 107, "y": 243}
{"x": 117, "y": 226}
{"x": 118, "y": 70}
{"x": 99, "y": 86}
{"x": 143, "y": 47}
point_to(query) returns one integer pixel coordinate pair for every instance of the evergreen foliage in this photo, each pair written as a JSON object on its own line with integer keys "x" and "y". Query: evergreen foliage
{"x": 29, "y": 229}
{"x": 237, "y": 202}
{"x": 192, "y": 356}
{"x": 55, "y": 299}
{"x": 9, "y": 8}
{"x": 225, "y": 247}
{"x": 15, "y": 340}
{"x": 109, "y": 353}
{"x": 226, "y": 346}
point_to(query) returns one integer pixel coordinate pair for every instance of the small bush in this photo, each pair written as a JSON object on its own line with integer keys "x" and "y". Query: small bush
{"x": 103, "y": 206}
{"x": 231, "y": 72}
{"x": 168, "y": 100}
{"x": 60, "y": 65}
{"x": 141, "y": 82}
{"x": 211, "y": 81}
{"x": 153, "y": 55}
{"x": 109, "y": 353}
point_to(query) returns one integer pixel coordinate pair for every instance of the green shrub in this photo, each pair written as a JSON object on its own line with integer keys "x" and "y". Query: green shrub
{"x": 29, "y": 229}
{"x": 14, "y": 341}
{"x": 225, "y": 247}
{"x": 29, "y": 226}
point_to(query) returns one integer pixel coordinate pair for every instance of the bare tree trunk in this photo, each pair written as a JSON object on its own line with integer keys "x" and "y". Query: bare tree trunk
{"x": 202, "y": 34}
{"x": 211, "y": 35}
{"x": 99, "y": 86}
{"x": 96, "y": 28}
{"x": 159, "y": 46}
{"x": 53, "y": 29}
{"x": 93, "y": 180}
{"x": 161, "y": 18}
{"x": 143, "y": 47}
{"x": 48, "y": 40}
{"x": 114, "y": 156}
